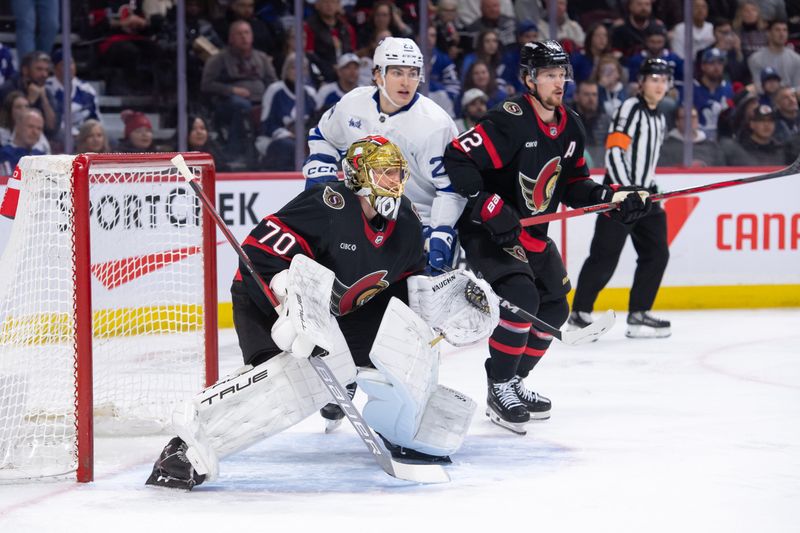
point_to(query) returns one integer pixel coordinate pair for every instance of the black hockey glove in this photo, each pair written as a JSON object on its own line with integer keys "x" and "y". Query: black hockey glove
{"x": 498, "y": 219}
{"x": 631, "y": 206}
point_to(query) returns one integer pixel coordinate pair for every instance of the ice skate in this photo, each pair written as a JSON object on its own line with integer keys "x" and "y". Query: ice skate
{"x": 504, "y": 408}
{"x": 333, "y": 414}
{"x": 579, "y": 320}
{"x": 173, "y": 469}
{"x": 537, "y": 405}
{"x": 643, "y": 325}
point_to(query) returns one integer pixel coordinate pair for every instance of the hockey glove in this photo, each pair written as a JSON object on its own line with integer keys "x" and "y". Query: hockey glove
{"x": 287, "y": 337}
{"x": 440, "y": 247}
{"x": 496, "y": 217}
{"x": 279, "y": 284}
{"x": 632, "y": 206}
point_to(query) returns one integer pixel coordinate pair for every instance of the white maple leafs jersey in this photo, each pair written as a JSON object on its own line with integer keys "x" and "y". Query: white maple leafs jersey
{"x": 422, "y": 130}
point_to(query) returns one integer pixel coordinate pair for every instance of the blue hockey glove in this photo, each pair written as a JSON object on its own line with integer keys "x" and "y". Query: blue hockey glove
{"x": 440, "y": 247}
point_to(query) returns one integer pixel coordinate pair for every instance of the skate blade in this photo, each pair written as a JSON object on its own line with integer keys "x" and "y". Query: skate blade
{"x": 646, "y": 332}
{"x": 332, "y": 425}
{"x": 539, "y": 416}
{"x": 518, "y": 428}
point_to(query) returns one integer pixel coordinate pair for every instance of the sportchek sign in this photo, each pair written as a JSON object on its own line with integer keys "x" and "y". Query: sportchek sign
{"x": 725, "y": 244}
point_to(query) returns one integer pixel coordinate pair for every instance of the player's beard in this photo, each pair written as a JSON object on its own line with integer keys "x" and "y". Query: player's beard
{"x": 552, "y": 101}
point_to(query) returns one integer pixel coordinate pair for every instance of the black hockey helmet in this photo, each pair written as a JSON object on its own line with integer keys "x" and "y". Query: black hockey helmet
{"x": 656, "y": 65}
{"x": 543, "y": 54}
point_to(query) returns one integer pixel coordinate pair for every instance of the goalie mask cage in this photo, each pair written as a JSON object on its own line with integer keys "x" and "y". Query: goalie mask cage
{"x": 108, "y": 306}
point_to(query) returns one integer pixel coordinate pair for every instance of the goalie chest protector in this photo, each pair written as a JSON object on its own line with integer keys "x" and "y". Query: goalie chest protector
{"x": 327, "y": 223}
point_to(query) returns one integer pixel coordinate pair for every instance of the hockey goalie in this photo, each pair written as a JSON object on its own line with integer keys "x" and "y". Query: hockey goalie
{"x": 341, "y": 258}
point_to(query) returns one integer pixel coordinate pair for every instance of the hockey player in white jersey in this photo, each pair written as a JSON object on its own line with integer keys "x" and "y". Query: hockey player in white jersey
{"x": 419, "y": 127}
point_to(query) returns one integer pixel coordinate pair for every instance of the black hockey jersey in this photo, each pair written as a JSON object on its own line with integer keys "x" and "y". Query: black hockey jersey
{"x": 532, "y": 165}
{"x": 327, "y": 223}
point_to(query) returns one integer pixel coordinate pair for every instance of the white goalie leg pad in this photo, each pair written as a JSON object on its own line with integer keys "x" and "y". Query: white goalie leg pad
{"x": 463, "y": 308}
{"x": 406, "y": 405}
{"x": 255, "y": 403}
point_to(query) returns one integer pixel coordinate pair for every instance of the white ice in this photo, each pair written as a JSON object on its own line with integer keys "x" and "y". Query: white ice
{"x": 696, "y": 433}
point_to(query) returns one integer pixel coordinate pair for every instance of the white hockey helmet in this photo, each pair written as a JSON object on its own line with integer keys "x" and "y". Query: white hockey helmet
{"x": 393, "y": 51}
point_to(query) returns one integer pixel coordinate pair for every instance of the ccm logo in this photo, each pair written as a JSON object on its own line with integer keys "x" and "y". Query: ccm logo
{"x": 347, "y": 246}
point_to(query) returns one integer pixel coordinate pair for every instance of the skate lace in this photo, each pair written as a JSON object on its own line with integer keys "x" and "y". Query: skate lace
{"x": 506, "y": 394}
{"x": 523, "y": 392}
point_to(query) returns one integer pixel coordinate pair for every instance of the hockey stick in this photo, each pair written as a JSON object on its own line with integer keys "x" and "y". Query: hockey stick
{"x": 408, "y": 472}
{"x": 584, "y": 335}
{"x": 791, "y": 170}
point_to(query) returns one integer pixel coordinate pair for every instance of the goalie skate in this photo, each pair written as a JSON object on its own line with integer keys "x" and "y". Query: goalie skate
{"x": 333, "y": 414}
{"x": 173, "y": 469}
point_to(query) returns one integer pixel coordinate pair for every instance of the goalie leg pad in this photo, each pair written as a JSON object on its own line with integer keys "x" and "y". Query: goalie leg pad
{"x": 405, "y": 403}
{"x": 255, "y": 403}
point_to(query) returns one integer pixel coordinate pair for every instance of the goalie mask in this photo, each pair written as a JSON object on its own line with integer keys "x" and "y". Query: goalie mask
{"x": 376, "y": 169}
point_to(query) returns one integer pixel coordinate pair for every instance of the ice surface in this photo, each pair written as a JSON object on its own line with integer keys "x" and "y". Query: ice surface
{"x": 696, "y": 433}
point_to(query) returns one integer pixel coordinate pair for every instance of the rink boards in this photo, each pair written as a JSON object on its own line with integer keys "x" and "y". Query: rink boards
{"x": 729, "y": 248}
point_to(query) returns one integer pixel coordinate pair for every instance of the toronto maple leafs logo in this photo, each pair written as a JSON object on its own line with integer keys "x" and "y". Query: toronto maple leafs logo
{"x": 353, "y": 123}
{"x": 538, "y": 192}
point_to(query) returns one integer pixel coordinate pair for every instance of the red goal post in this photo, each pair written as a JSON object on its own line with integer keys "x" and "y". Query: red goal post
{"x": 110, "y": 274}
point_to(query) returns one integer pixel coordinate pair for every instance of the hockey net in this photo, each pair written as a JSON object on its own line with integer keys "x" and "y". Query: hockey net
{"x": 107, "y": 306}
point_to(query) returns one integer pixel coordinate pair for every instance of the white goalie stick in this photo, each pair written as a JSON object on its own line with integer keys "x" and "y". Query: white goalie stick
{"x": 580, "y": 336}
{"x": 409, "y": 472}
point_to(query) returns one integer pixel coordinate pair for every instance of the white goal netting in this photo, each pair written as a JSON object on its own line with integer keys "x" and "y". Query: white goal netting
{"x": 147, "y": 294}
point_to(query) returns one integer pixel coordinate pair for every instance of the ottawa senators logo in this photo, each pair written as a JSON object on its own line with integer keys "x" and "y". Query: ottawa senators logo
{"x": 332, "y": 198}
{"x": 538, "y": 192}
{"x": 517, "y": 252}
{"x": 347, "y": 299}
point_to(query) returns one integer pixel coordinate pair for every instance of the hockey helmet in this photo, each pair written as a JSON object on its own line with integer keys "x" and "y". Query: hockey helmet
{"x": 543, "y": 54}
{"x": 375, "y": 168}
{"x": 655, "y": 65}
{"x": 397, "y": 51}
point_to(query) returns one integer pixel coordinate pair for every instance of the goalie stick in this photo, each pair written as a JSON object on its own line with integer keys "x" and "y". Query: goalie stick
{"x": 575, "y": 337}
{"x": 405, "y": 471}
{"x": 791, "y": 170}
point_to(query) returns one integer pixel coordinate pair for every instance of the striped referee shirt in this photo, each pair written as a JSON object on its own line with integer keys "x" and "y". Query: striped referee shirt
{"x": 634, "y": 143}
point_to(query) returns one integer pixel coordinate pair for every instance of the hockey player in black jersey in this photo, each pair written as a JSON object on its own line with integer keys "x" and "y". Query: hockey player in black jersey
{"x": 366, "y": 236}
{"x": 523, "y": 159}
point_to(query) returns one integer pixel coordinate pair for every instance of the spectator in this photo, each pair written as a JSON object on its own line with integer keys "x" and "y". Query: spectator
{"x": 92, "y": 138}
{"x": 609, "y": 77}
{"x": 235, "y": 80}
{"x": 595, "y": 120}
{"x": 481, "y": 77}
{"x": 773, "y": 9}
{"x": 316, "y": 78}
{"x": 366, "y": 54}
{"x": 566, "y": 28}
{"x": 702, "y": 31}
{"x": 787, "y": 123}
{"x": 756, "y": 146}
{"x": 448, "y": 38}
{"x": 491, "y": 18}
{"x": 628, "y": 38}
{"x": 84, "y": 97}
{"x": 384, "y": 16}
{"x": 473, "y": 108}
{"x": 777, "y": 55}
{"x": 138, "y": 133}
{"x": 328, "y": 35}
{"x": 750, "y": 27}
{"x": 31, "y": 78}
{"x": 487, "y": 49}
{"x": 705, "y": 152}
{"x": 198, "y": 140}
{"x": 595, "y": 45}
{"x": 15, "y": 105}
{"x": 27, "y": 132}
{"x": 267, "y": 36}
{"x": 727, "y": 41}
{"x": 443, "y": 83}
{"x": 278, "y": 107}
{"x": 655, "y": 45}
{"x": 347, "y": 73}
{"x": 527, "y": 32}
{"x": 712, "y": 92}
{"x": 770, "y": 83}
{"x": 6, "y": 64}
{"x": 36, "y": 24}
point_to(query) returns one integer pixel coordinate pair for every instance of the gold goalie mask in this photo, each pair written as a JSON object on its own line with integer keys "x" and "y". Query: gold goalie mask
{"x": 376, "y": 169}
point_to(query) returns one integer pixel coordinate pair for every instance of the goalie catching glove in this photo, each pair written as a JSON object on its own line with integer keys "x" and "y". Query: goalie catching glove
{"x": 461, "y": 307}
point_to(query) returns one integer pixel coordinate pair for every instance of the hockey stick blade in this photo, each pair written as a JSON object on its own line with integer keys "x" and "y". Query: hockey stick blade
{"x": 592, "y": 332}
{"x": 415, "y": 473}
{"x": 791, "y": 170}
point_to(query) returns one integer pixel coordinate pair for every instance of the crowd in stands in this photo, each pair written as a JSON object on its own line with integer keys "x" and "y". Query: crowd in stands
{"x": 241, "y": 71}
